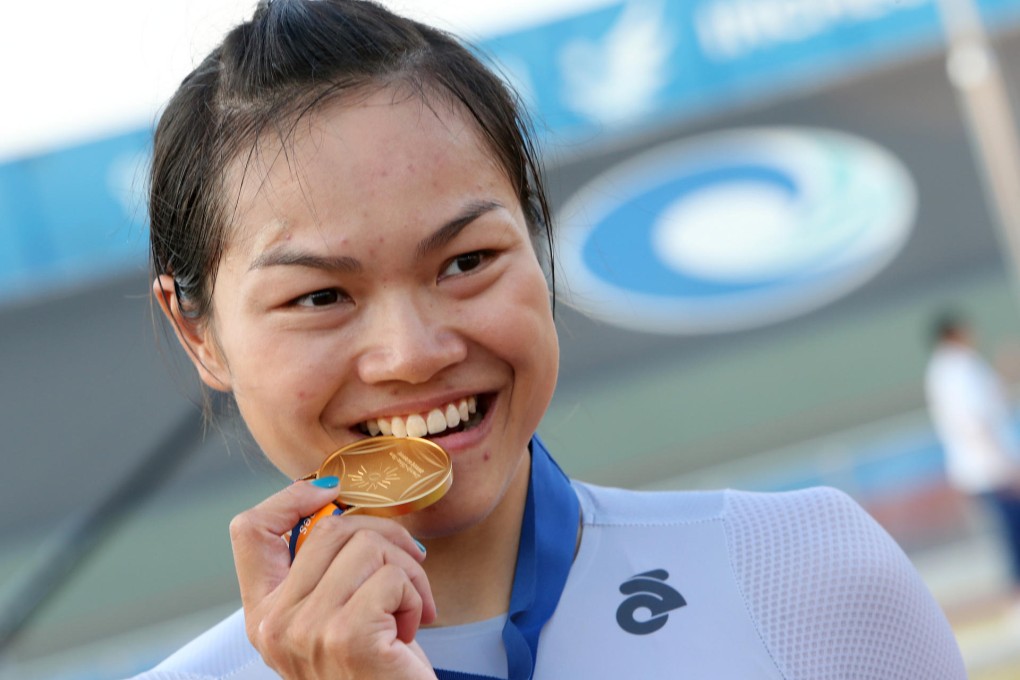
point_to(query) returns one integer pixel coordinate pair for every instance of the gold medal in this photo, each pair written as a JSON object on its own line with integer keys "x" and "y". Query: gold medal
{"x": 389, "y": 476}
{"x": 381, "y": 476}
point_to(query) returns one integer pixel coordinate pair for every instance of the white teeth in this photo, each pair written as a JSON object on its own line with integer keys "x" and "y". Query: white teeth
{"x": 419, "y": 424}
{"x": 437, "y": 421}
{"x": 452, "y": 416}
{"x": 416, "y": 426}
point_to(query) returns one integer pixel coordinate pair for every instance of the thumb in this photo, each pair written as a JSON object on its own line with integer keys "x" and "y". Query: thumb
{"x": 261, "y": 555}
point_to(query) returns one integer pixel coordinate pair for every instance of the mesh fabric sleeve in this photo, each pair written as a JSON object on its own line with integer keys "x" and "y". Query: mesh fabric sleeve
{"x": 171, "y": 675}
{"x": 831, "y": 594}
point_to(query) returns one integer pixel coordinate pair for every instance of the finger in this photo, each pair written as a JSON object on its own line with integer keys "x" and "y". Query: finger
{"x": 408, "y": 614}
{"x": 337, "y": 530}
{"x": 261, "y": 558}
{"x": 389, "y": 591}
{"x": 341, "y": 562}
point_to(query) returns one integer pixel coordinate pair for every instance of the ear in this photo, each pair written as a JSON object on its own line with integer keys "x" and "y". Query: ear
{"x": 194, "y": 336}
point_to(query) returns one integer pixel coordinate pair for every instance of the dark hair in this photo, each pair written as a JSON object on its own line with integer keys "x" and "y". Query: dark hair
{"x": 948, "y": 325}
{"x": 291, "y": 57}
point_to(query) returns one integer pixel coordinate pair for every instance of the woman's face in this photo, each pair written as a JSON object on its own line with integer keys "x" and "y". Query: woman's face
{"x": 380, "y": 274}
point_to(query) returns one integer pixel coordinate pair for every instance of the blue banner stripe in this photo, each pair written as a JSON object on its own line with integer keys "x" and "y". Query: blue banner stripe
{"x": 77, "y": 214}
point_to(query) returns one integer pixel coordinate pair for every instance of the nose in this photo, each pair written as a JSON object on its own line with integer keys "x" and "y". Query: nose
{"x": 409, "y": 343}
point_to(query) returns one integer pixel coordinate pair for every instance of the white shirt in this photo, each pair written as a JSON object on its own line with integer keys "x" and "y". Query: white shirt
{"x": 792, "y": 586}
{"x": 972, "y": 418}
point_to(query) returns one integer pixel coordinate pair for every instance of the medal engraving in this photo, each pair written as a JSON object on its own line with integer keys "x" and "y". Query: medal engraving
{"x": 381, "y": 476}
{"x": 389, "y": 476}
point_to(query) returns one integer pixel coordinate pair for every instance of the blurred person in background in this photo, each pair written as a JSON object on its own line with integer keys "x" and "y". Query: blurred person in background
{"x": 972, "y": 415}
{"x": 350, "y": 236}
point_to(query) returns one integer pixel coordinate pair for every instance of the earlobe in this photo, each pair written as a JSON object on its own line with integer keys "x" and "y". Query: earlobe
{"x": 193, "y": 335}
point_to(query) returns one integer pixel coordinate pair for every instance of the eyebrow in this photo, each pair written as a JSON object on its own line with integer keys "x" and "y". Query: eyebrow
{"x": 350, "y": 265}
{"x": 449, "y": 231}
{"x": 282, "y": 257}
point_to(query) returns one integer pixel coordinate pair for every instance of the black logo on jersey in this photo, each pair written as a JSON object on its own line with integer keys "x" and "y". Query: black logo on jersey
{"x": 647, "y": 591}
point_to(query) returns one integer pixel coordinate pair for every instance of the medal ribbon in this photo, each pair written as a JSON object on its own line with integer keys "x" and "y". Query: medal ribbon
{"x": 544, "y": 557}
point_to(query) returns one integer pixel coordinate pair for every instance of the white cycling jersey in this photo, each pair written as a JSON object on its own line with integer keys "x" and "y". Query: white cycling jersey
{"x": 794, "y": 586}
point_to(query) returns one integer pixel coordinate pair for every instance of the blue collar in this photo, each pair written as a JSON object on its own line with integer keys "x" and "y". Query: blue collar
{"x": 544, "y": 557}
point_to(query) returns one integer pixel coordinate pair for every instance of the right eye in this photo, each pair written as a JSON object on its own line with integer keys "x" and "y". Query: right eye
{"x": 320, "y": 298}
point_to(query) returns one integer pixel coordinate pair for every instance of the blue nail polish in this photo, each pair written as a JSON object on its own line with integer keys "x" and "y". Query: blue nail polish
{"x": 420, "y": 546}
{"x": 326, "y": 482}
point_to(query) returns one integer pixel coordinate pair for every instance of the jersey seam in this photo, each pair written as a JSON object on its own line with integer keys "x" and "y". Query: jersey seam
{"x": 740, "y": 587}
{"x": 238, "y": 669}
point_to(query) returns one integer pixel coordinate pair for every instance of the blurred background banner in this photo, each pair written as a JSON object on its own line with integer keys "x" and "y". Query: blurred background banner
{"x": 762, "y": 205}
{"x": 75, "y": 215}
{"x": 642, "y": 62}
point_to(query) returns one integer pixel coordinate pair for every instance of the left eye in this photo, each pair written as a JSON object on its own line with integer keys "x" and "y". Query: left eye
{"x": 463, "y": 264}
{"x": 320, "y": 298}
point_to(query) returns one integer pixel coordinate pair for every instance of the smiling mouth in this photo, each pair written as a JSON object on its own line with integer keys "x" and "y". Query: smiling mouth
{"x": 456, "y": 416}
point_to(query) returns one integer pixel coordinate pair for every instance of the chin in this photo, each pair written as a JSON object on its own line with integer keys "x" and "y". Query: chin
{"x": 451, "y": 515}
{"x": 473, "y": 507}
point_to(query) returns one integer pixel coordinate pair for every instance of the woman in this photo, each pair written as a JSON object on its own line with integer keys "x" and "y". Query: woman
{"x": 349, "y": 235}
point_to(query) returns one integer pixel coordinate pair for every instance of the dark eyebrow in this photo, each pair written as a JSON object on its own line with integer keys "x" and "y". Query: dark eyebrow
{"x": 350, "y": 265}
{"x": 283, "y": 257}
{"x": 449, "y": 231}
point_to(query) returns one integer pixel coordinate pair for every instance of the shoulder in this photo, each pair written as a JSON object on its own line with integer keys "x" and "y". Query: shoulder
{"x": 819, "y": 578}
{"x": 815, "y": 509}
{"x": 818, "y": 553}
{"x": 810, "y": 538}
{"x": 816, "y": 519}
{"x": 948, "y": 365}
{"x": 220, "y": 652}
{"x": 816, "y": 533}
{"x": 605, "y": 506}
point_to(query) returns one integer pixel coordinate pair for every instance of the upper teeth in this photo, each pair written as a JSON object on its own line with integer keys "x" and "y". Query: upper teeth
{"x": 420, "y": 424}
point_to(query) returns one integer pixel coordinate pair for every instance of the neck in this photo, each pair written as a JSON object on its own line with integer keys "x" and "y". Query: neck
{"x": 472, "y": 572}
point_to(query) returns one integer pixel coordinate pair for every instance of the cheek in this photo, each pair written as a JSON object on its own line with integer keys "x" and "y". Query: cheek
{"x": 282, "y": 386}
{"x": 280, "y": 363}
{"x": 520, "y": 328}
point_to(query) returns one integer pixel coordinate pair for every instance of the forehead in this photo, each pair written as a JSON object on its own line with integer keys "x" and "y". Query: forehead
{"x": 369, "y": 156}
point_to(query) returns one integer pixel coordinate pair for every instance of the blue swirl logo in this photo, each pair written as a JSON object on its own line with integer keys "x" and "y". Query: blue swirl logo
{"x": 733, "y": 230}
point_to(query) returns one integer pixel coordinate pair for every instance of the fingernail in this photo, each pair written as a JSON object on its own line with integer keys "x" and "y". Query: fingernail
{"x": 420, "y": 546}
{"x": 330, "y": 482}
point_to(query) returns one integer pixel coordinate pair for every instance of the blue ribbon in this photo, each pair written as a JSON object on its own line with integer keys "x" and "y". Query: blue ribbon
{"x": 544, "y": 557}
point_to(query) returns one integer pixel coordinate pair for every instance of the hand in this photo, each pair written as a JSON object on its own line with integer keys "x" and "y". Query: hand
{"x": 351, "y": 603}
